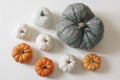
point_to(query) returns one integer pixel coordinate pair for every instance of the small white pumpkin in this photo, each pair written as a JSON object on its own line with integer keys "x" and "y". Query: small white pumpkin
{"x": 67, "y": 63}
{"x": 45, "y": 41}
{"x": 43, "y": 18}
{"x": 23, "y": 32}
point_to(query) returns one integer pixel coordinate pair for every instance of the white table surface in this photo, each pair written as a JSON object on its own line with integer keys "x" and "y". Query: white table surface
{"x": 15, "y": 12}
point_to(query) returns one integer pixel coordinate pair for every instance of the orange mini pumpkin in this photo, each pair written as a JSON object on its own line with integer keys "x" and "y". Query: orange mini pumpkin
{"x": 44, "y": 67}
{"x": 22, "y": 53}
{"x": 91, "y": 62}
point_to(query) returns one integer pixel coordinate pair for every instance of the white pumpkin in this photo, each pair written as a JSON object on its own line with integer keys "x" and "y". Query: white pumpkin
{"x": 45, "y": 41}
{"x": 23, "y": 32}
{"x": 43, "y": 18}
{"x": 67, "y": 63}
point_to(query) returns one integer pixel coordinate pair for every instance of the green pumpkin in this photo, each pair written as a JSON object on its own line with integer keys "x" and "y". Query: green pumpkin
{"x": 79, "y": 27}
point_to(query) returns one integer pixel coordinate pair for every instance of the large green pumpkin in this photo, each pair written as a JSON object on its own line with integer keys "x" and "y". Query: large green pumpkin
{"x": 79, "y": 27}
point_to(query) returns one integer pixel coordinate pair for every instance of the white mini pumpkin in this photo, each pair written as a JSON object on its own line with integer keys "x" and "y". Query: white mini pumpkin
{"x": 67, "y": 63}
{"x": 23, "y": 32}
{"x": 45, "y": 41}
{"x": 43, "y": 18}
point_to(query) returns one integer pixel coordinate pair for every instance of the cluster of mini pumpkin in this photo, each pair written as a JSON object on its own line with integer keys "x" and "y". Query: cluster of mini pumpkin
{"x": 44, "y": 66}
{"x": 78, "y": 28}
{"x": 42, "y": 18}
{"x": 23, "y": 53}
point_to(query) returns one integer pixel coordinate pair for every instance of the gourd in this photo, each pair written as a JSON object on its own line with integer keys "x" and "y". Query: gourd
{"x": 67, "y": 63}
{"x": 91, "y": 62}
{"x": 79, "y": 27}
{"x": 43, "y": 17}
{"x": 45, "y": 41}
{"x": 23, "y": 32}
{"x": 44, "y": 67}
{"x": 22, "y": 53}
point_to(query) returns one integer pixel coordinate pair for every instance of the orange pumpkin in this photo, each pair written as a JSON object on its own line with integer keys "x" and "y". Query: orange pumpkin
{"x": 44, "y": 67}
{"x": 22, "y": 53}
{"x": 91, "y": 62}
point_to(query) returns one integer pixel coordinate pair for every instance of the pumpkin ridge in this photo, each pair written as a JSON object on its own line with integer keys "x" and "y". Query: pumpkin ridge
{"x": 90, "y": 11}
{"x": 48, "y": 62}
{"x": 46, "y": 72}
{"x": 23, "y": 57}
{"x": 99, "y": 37}
{"x": 27, "y": 51}
{"x": 69, "y": 20}
{"x": 88, "y": 37}
{"x": 37, "y": 68}
{"x": 17, "y": 47}
{"x": 44, "y": 60}
{"x": 84, "y": 41}
{"x": 88, "y": 19}
{"x": 14, "y": 51}
{"x": 20, "y": 59}
{"x": 91, "y": 33}
{"x": 14, "y": 54}
{"x": 101, "y": 26}
{"x": 23, "y": 45}
{"x": 39, "y": 72}
{"x": 82, "y": 35}
{"x": 65, "y": 28}
{"x": 28, "y": 54}
{"x": 64, "y": 69}
{"x": 27, "y": 47}
{"x": 74, "y": 13}
{"x": 43, "y": 73}
{"x": 68, "y": 17}
{"x": 75, "y": 40}
{"x": 16, "y": 57}
{"x": 49, "y": 66}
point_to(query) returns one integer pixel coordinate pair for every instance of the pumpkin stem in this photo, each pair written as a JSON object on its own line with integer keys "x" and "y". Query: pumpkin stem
{"x": 42, "y": 13}
{"x": 22, "y": 52}
{"x": 80, "y": 25}
{"x": 68, "y": 62}
{"x": 93, "y": 61}
{"x": 22, "y": 31}
{"x": 44, "y": 67}
{"x": 45, "y": 40}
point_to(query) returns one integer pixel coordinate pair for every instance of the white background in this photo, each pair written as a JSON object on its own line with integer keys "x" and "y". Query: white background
{"x": 15, "y": 12}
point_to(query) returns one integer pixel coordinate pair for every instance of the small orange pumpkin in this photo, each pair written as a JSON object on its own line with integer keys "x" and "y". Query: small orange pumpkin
{"x": 91, "y": 62}
{"x": 44, "y": 67}
{"x": 22, "y": 53}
